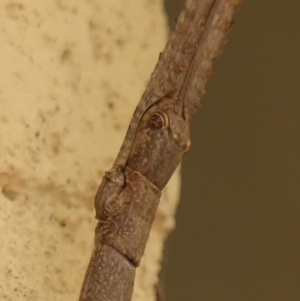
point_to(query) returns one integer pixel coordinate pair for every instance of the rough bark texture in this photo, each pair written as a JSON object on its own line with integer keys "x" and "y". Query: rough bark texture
{"x": 71, "y": 75}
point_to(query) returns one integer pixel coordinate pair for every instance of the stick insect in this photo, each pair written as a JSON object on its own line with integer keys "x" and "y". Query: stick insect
{"x": 157, "y": 138}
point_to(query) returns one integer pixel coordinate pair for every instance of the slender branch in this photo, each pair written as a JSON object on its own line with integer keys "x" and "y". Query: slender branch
{"x": 157, "y": 138}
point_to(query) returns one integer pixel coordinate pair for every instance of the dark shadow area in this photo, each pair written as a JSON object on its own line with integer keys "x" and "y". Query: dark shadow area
{"x": 238, "y": 221}
{"x": 173, "y": 8}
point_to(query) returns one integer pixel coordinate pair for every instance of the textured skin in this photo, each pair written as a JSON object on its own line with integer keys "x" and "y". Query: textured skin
{"x": 126, "y": 220}
{"x": 120, "y": 240}
{"x": 113, "y": 275}
{"x": 156, "y": 152}
{"x": 173, "y": 64}
{"x": 155, "y": 142}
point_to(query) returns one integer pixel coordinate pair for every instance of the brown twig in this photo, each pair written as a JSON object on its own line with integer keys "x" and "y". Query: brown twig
{"x": 155, "y": 142}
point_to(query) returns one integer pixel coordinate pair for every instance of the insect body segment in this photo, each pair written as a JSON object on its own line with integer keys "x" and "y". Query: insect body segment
{"x": 155, "y": 142}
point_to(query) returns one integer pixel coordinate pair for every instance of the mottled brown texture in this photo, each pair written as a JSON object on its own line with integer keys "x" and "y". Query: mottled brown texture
{"x": 120, "y": 240}
{"x": 172, "y": 66}
{"x": 156, "y": 140}
{"x": 156, "y": 152}
{"x": 126, "y": 220}
{"x": 109, "y": 277}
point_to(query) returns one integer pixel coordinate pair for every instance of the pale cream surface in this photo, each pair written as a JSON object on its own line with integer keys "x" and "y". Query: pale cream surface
{"x": 71, "y": 74}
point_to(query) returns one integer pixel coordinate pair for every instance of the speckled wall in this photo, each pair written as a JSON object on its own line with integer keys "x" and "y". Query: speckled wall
{"x": 70, "y": 78}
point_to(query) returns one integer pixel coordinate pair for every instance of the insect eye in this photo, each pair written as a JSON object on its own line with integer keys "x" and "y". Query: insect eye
{"x": 159, "y": 121}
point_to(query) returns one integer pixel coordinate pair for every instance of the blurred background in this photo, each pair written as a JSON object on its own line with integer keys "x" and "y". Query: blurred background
{"x": 238, "y": 221}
